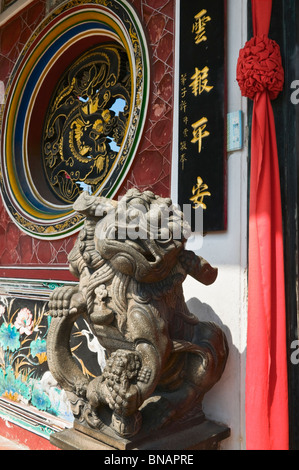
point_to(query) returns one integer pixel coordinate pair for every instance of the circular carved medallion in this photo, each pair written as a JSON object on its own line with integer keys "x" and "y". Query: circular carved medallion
{"x": 74, "y": 113}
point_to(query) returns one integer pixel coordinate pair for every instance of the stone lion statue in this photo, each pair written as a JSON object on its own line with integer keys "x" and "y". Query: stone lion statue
{"x": 130, "y": 260}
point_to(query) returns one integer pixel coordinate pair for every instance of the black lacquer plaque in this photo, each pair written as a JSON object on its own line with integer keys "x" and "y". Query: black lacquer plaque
{"x": 202, "y": 112}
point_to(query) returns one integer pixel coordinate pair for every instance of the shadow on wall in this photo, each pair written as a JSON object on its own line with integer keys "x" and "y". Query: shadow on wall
{"x": 204, "y": 312}
{"x": 219, "y": 404}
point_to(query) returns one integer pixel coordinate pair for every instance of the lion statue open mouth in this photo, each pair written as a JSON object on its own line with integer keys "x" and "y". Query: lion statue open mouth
{"x": 131, "y": 261}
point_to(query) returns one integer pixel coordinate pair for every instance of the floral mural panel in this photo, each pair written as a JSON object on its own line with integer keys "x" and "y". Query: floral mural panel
{"x": 25, "y": 380}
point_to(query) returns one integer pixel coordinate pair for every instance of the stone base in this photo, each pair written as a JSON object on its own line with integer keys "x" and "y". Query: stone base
{"x": 206, "y": 435}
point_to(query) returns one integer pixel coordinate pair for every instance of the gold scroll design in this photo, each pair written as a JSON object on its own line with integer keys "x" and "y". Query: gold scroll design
{"x": 81, "y": 127}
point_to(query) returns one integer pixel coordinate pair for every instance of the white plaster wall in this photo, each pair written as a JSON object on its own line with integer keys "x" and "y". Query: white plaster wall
{"x": 225, "y": 302}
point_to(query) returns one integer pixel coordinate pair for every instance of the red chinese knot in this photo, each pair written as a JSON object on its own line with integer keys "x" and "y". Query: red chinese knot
{"x": 260, "y": 68}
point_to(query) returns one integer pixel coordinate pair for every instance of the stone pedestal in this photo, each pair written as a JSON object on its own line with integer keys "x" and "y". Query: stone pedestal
{"x": 206, "y": 435}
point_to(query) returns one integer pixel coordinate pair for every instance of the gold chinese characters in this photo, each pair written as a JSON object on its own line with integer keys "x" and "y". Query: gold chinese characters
{"x": 199, "y": 191}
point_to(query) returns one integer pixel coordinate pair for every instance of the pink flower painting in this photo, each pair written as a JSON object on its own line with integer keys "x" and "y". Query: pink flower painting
{"x": 24, "y": 321}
